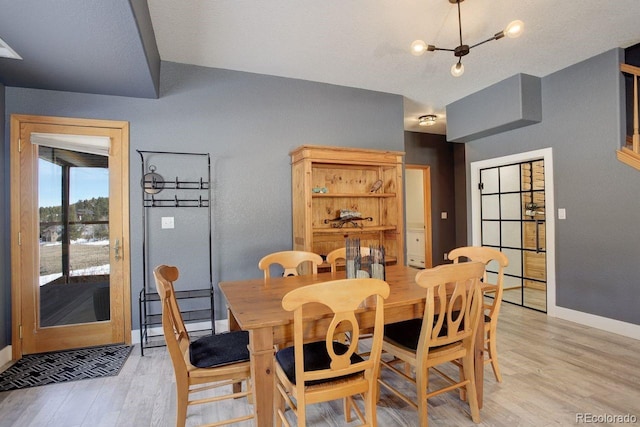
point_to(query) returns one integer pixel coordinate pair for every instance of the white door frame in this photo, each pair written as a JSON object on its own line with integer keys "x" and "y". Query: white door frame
{"x": 547, "y": 155}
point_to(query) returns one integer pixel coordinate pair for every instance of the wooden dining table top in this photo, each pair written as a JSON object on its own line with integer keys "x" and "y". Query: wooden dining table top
{"x": 257, "y": 303}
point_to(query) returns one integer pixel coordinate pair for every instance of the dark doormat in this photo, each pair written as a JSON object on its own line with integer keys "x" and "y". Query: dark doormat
{"x": 62, "y": 366}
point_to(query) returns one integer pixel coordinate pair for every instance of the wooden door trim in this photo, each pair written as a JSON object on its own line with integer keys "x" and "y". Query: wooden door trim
{"x": 428, "y": 232}
{"x": 16, "y": 122}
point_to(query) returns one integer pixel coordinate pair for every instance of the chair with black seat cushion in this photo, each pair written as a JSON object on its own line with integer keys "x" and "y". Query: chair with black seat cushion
{"x": 209, "y": 362}
{"x": 493, "y": 283}
{"x": 291, "y": 262}
{"x": 446, "y": 333}
{"x": 328, "y": 370}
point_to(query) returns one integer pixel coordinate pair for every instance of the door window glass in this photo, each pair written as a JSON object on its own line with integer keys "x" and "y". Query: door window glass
{"x": 73, "y": 202}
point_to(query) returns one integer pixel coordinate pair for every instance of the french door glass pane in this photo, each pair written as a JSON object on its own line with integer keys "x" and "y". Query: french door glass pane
{"x": 511, "y": 235}
{"x": 491, "y": 207}
{"x": 512, "y": 290}
{"x": 509, "y": 178}
{"x": 490, "y": 233}
{"x": 489, "y": 180}
{"x": 515, "y": 262}
{"x": 510, "y": 206}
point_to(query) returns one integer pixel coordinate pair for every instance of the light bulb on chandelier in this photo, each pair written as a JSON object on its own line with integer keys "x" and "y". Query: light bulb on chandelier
{"x": 457, "y": 69}
{"x": 419, "y": 47}
{"x": 514, "y": 29}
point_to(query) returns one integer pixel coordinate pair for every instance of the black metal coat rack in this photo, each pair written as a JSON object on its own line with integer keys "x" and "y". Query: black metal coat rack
{"x": 152, "y": 184}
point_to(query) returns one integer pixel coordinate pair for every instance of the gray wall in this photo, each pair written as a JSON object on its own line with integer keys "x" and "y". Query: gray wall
{"x": 248, "y": 123}
{"x": 5, "y": 287}
{"x": 434, "y": 151}
{"x": 597, "y": 248}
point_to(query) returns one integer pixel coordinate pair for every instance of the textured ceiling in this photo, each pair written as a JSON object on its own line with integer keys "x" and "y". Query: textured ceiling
{"x": 365, "y": 44}
{"x": 108, "y": 47}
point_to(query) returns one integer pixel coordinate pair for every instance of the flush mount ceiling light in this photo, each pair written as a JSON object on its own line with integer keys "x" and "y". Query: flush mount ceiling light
{"x": 418, "y": 47}
{"x": 7, "y": 52}
{"x": 428, "y": 120}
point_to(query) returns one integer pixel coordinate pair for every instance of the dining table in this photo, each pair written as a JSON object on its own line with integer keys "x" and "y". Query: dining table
{"x": 255, "y": 305}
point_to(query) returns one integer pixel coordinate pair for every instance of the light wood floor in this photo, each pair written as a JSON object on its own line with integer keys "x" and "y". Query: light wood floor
{"x": 552, "y": 370}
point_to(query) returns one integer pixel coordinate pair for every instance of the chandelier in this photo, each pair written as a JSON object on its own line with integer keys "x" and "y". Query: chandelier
{"x": 418, "y": 47}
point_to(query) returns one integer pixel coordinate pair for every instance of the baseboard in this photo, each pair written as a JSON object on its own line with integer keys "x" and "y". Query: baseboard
{"x": 610, "y": 325}
{"x": 221, "y": 326}
{"x": 5, "y": 356}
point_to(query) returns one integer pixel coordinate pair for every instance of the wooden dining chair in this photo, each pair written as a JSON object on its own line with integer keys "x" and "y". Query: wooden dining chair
{"x": 321, "y": 371}
{"x": 290, "y": 262}
{"x": 446, "y": 333}
{"x": 493, "y": 259}
{"x": 210, "y": 362}
{"x": 341, "y": 253}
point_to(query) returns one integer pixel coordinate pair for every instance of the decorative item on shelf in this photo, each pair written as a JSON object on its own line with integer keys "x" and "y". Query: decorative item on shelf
{"x": 418, "y": 47}
{"x": 348, "y": 216}
{"x": 152, "y": 183}
{"x": 376, "y": 262}
{"x": 320, "y": 190}
{"x": 376, "y": 186}
{"x": 352, "y": 255}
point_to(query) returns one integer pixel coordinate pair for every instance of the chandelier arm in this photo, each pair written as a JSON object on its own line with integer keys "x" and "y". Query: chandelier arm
{"x": 441, "y": 48}
{"x": 459, "y": 22}
{"x": 485, "y": 41}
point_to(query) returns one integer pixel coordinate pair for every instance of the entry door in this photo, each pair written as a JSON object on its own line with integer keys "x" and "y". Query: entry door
{"x": 70, "y": 251}
{"x": 513, "y": 220}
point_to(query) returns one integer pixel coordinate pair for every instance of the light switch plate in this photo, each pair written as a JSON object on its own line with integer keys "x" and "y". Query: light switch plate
{"x": 562, "y": 213}
{"x": 443, "y": 215}
{"x": 167, "y": 222}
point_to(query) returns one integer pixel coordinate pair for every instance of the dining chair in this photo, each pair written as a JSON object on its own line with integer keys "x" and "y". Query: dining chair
{"x": 341, "y": 253}
{"x": 446, "y": 333}
{"x": 332, "y": 259}
{"x": 491, "y": 258}
{"x": 326, "y": 370}
{"x": 207, "y": 363}
{"x": 290, "y": 262}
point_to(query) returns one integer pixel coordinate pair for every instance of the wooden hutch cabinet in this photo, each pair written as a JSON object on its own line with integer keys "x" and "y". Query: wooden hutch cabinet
{"x": 329, "y": 180}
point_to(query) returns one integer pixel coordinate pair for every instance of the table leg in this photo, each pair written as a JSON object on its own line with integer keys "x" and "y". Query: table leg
{"x": 262, "y": 374}
{"x": 478, "y": 363}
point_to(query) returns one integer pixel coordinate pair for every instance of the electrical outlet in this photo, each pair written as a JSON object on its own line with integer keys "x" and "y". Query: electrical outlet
{"x": 167, "y": 222}
{"x": 445, "y": 256}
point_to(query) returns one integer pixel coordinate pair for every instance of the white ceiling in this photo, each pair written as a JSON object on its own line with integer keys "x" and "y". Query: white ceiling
{"x": 365, "y": 43}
